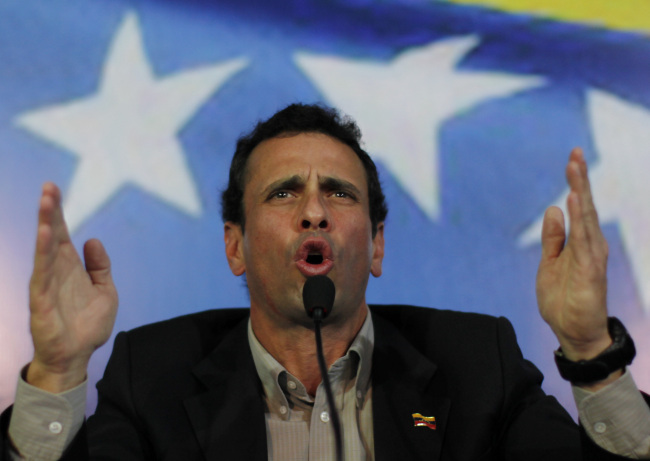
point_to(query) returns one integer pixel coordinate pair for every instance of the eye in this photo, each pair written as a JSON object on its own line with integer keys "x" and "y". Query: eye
{"x": 279, "y": 195}
{"x": 343, "y": 194}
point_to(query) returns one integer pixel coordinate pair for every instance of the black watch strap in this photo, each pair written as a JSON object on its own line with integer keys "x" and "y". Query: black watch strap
{"x": 615, "y": 357}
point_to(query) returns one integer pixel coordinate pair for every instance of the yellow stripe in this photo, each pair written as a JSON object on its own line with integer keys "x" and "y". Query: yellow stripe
{"x": 625, "y": 15}
{"x": 430, "y": 419}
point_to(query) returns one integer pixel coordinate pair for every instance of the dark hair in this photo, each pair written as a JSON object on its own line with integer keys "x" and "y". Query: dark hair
{"x": 300, "y": 118}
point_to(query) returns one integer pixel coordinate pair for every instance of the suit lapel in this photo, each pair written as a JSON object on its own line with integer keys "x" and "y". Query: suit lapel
{"x": 228, "y": 418}
{"x": 403, "y": 383}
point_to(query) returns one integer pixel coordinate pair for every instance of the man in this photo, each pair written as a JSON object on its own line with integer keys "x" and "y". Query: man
{"x": 304, "y": 199}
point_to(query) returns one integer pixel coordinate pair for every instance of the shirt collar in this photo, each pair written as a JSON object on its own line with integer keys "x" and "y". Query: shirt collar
{"x": 272, "y": 373}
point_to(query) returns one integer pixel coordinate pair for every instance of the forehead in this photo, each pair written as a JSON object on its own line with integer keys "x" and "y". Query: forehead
{"x": 304, "y": 154}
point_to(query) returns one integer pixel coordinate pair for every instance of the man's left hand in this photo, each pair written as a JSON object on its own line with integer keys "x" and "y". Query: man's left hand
{"x": 572, "y": 275}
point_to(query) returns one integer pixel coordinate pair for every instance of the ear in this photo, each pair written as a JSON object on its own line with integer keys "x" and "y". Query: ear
{"x": 233, "y": 238}
{"x": 377, "y": 250}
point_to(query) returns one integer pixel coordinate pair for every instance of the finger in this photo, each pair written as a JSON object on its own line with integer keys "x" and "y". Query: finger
{"x": 54, "y": 214}
{"x": 45, "y": 253}
{"x": 98, "y": 264}
{"x": 553, "y": 233}
{"x": 43, "y": 260}
{"x": 50, "y": 219}
{"x": 584, "y": 219}
{"x": 579, "y": 241}
{"x": 51, "y": 233}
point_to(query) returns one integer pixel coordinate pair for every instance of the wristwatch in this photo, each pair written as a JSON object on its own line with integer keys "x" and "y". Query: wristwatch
{"x": 615, "y": 357}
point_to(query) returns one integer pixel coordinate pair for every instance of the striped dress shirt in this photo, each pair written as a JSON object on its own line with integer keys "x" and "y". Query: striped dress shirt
{"x": 298, "y": 426}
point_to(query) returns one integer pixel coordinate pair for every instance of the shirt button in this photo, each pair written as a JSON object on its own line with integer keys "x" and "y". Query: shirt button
{"x": 600, "y": 427}
{"x": 324, "y": 416}
{"x": 56, "y": 427}
{"x": 291, "y": 385}
{"x": 359, "y": 395}
{"x": 283, "y": 410}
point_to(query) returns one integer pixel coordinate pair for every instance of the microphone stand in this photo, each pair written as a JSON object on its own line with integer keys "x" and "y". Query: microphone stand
{"x": 318, "y": 297}
{"x": 336, "y": 424}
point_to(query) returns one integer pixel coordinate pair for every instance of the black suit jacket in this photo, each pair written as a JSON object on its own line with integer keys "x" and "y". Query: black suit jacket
{"x": 187, "y": 389}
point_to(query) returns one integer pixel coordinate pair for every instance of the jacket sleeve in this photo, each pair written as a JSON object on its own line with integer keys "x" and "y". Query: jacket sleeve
{"x": 113, "y": 432}
{"x": 530, "y": 417}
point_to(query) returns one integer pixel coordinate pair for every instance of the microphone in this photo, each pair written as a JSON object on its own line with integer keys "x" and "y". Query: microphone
{"x": 318, "y": 298}
{"x": 318, "y": 294}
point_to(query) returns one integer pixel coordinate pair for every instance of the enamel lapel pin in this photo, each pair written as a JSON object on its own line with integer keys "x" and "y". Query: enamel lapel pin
{"x": 428, "y": 421}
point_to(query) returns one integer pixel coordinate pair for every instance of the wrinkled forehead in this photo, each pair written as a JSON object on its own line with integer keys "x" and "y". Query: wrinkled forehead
{"x": 300, "y": 155}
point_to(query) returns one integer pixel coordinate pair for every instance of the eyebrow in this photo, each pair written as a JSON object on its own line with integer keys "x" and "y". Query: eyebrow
{"x": 327, "y": 183}
{"x": 290, "y": 183}
{"x": 330, "y": 183}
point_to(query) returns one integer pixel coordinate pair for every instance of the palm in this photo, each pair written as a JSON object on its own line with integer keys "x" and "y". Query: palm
{"x": 571, "y": 281}
{"x": 72, "y": 307}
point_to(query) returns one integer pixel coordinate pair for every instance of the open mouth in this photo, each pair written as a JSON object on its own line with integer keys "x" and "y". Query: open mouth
{"x": 314, "y": 258}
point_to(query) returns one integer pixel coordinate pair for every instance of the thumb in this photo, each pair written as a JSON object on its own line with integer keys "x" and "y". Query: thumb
{"x": 553, "y": 233}
{"x": 98, "y": 264}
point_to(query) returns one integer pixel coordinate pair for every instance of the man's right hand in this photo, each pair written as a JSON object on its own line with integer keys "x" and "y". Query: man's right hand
{"x": 72, "y": 308}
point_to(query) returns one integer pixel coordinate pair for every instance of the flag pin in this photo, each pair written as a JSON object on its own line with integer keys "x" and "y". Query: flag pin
{"x": 428, "y": 421}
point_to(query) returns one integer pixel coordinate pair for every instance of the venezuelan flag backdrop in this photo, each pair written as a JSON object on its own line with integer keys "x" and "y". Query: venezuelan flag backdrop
{"x": 469, "y": 108}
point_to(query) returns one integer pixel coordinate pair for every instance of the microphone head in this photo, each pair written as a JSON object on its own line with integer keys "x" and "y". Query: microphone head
{"x": 318, "y": 292}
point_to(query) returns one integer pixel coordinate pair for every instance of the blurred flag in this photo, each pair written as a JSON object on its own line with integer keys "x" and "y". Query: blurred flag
{"x": 469, "y": 108}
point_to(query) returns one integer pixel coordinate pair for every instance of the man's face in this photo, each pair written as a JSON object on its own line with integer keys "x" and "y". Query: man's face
{"x": 307, "y": 213}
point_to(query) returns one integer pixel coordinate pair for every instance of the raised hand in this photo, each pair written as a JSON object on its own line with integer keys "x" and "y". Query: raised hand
{"x": 572, "y": 276}
{"x": 72, "y": 307}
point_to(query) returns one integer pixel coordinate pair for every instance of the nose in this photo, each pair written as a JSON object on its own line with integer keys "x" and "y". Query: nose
{"x": 314, "y": 214}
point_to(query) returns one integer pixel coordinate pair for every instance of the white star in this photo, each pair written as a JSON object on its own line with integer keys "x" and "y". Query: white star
{"x": 619, "y": 180}
{"x": 126, "y": 132}
{"x": 400, "y": 105}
